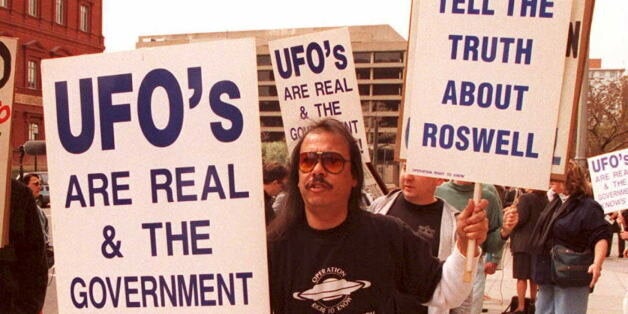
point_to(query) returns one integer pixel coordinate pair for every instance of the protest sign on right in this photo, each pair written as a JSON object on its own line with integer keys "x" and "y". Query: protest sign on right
{"x": 609, "y": 177}
{"x": 573, "y": 78}
{"x": 483, "y": 89}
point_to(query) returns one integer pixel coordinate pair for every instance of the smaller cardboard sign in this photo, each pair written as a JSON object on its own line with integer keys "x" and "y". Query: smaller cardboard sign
{"x": 315, "y": 78}
{"x": 609, "y": 177}
{"x": 8, "y": 48}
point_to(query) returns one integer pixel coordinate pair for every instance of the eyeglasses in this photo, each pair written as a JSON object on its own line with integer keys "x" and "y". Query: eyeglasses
{"x": 332, "y": 162}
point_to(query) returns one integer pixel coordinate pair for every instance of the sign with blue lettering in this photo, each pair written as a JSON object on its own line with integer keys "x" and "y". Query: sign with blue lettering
{"x": 8, "y": 48}
{"x": 315, "y": 78}
{"x": 609, "y": 177}
{"x": 573, "y": 78}
{"x": 483, "y": 88}
{"x": 154, "y": 158}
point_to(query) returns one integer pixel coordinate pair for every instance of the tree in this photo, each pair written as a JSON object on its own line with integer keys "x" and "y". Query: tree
{"x": 275, "y": 152}
{"x": 607, "y": 120}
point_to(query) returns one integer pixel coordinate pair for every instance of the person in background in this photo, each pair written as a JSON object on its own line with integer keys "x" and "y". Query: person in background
{"x": 274, "y": 176}
{"x": 430, "y": 217}
{"x": 612, "y": 218}
{"x": 33, "y": 182}
{"x": 575, "y": 220}
{"x": 501, "y": 193}
{"x": 326, "y": 254}
{"x": 551, "y": 192}
{"x": 622, "y": 220}
{"x": 23, "y": 265}
{"x": 457, "y": 193}
{"x": 529, "y": 206}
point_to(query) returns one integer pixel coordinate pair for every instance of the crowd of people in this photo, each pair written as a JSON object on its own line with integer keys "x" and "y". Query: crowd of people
{"x": 533, "y": 220}
{"x": 406, "y": 253}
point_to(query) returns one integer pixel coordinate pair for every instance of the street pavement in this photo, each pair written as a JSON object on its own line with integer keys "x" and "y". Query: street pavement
{"x": 607, "y": 297}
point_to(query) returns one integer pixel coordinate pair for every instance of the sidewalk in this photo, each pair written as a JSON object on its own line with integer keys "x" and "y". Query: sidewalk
{"x": 607, "y": 297}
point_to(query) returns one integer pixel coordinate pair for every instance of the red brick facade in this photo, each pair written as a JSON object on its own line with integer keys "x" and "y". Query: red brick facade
{"x": 45, "y": 29}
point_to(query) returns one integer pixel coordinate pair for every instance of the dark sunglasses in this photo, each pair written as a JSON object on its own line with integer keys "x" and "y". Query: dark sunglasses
{"x": 332, "y": 162}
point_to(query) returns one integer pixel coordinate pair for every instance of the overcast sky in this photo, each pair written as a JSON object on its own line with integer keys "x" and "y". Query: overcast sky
{"x": 125, "y": 20}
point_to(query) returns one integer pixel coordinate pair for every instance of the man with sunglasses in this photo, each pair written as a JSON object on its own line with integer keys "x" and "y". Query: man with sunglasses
{"x": 328, "y": 255}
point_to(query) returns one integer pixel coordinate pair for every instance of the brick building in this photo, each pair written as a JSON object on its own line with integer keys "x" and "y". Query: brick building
{"x": 45, "y": 29}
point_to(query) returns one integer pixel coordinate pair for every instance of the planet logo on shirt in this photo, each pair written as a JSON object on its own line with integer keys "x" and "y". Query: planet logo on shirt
{"x": 331, "y": 292}
{"x": 426, "y": 232}
{"x": 331, "y": 289}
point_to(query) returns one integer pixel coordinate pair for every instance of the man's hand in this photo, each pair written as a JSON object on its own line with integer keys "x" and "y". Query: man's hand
{"x": 472, "y": 224}
{"x": 511, "y": 219}
{"x": 596, "y": 271}
{"x": 490, "y": 268}
{"x": 620, "y": 219}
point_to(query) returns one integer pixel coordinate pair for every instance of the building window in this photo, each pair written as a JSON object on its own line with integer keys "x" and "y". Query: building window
{"x": 267, "y": 91}
{"x": 387, "y": 89}
{"x": 363, "y": 74}
{"x": 60, "y": 12}
{"x": 387, "y": 73}
{"x": 33, "y": 8}
{"x": 33, "y": 131}
{"x": 269, "y": 106}
{"x": 271, "y": 121}
{"x": 265, "y": 75}
{"x": 4, "y": 4}
{"x": 388, "y": 56}
{"x": 263, "y": 60}
{"x": 84, "y": 18}
{"x": 366, "y": 106}
{"x": 390, "y": 122}
{"x": 364, "y": 89}
{"x": 362, "y": 57}
{"x": 31, "y": 75}
{"x": 387, "y": 105}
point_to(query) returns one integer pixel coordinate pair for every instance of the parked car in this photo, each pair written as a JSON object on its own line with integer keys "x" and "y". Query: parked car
{"x": 44, "y": 195}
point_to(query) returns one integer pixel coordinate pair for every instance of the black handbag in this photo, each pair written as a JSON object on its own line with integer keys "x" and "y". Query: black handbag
{"x": 569, "y": 268}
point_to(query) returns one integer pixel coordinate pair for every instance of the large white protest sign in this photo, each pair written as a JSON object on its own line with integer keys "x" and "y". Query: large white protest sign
{"x": 8, "y": 48}
{"x": 483, "y": 86}
{"x": 315, "y": 78}
{"x": 609, "y": 177}
{"x": 575, "y": 62}
{"x": 154, "y": 158}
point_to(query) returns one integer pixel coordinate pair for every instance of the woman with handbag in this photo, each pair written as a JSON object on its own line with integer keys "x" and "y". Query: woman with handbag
{"x": 569, "y": 245}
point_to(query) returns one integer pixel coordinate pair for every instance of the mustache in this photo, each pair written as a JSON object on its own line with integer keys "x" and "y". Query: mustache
{"x": 318, "y": 179}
